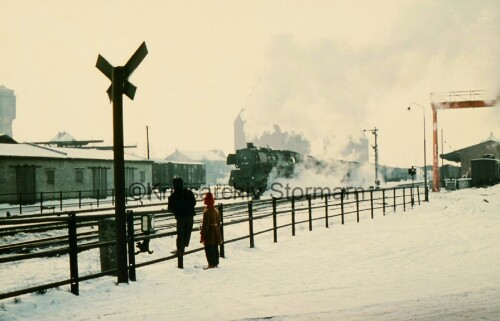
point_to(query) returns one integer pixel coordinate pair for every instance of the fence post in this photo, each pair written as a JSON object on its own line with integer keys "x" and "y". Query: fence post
{"x": 73, "y": 253}
{"x": 60, "y": 201}
{"x": 131, "y": 241}
{"x": 98, "y": 196}
{"x": 250, "y": 223}
{"x": 310, "y": 211}
{"x": 371, "y": 202}
{"x": 20, "y": 203}
{"x": 41, "y": 202}
{"x": 418, "y": 195}
{"x": 221, "y": 211}
{"x": 326, "y": 211}
{"x": 404, "y": 200}
{"x": 293, "y": 215}
{"x": 356, "y": 194}
{"x": 412, "y": 196}
{"x": 342, "y": 205}
{"x": 79, "y": 199}
{"x": 394, "y": 189}
{"x": 383, "y": 201}
{"x": 275, "y": 223}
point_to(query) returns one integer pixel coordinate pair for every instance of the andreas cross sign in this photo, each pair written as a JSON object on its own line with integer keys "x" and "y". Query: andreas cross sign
{"x": 120, "y": 85}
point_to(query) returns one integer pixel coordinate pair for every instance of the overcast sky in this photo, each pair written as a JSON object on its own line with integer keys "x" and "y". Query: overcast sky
{"x": 319, "y": 68}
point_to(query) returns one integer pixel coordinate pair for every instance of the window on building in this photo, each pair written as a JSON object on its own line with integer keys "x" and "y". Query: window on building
{"x": 79, "y": 175}
{"x": 50, "y": 172}
{"x": 143, "y": 176}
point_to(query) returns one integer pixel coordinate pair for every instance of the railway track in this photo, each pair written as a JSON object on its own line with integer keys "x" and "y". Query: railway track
{"x": 50, "y": 231}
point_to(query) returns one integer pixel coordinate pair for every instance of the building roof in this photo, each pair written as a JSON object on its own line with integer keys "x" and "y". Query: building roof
{"x": 6, "y": 139}
{"x": 6, "y": 90}
{"x": 166, "y": 161}
{"x": 196, "y": 156}
{"x": 456, "y": 156}
{"x": 491, "y": 137}
{"x": 35, "y": 151}
{"x": 63, "y": 137}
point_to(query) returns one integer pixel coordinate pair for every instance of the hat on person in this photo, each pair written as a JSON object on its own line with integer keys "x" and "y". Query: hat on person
{"x": 178, "y": 183}
{"x": 209, "y": 200}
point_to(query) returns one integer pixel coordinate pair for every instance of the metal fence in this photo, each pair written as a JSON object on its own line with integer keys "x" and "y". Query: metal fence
{"x": 47, "y": 202}
{"x": 77, "y": 232}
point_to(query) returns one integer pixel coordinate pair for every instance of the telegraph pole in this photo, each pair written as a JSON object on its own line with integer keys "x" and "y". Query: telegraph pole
{"x": 120, "y": 85}
{"x": 375, "y": 148}
{"x": 147, "y": 139}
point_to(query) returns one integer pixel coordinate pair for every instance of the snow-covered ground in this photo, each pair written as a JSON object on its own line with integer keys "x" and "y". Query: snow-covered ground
{"x": 437, "y": 261}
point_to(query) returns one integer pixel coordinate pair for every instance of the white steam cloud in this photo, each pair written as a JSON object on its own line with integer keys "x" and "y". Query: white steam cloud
{"x": 329, "y": 90}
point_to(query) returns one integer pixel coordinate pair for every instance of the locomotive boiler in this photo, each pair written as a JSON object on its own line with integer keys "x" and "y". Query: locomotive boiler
{"x": 254, "y": 165}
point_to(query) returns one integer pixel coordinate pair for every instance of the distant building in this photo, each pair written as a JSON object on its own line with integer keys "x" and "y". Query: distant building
{"x": 7, "y": 110}
{"x": 356, "y": 149}
{"x": 64, "y": 139}
{"x": 214, "y": 160}
{"x": 239, "y": 132}
{"x": 464, "y": 156}
{"x": 276, "y": 139}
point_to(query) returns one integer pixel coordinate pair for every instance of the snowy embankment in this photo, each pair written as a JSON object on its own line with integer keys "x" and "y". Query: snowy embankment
{"x": 437, "y": 261}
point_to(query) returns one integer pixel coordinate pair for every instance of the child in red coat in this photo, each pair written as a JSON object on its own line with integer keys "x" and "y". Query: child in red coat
{"x": 210, "y": 231}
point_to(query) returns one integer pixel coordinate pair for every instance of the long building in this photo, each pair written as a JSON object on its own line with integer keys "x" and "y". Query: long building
{"x": 30, "y": 169}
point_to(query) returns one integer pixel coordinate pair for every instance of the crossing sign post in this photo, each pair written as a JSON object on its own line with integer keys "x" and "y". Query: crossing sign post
{"x": 120, "y": 85}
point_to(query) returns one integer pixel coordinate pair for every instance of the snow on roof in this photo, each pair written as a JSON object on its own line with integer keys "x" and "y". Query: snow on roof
{"x": 190, "y": 155}
{"x": 27, "y": 150}
{"x": 5, "y": 89}
{"x": 63, "y": 137}
{"x": 166, "y": 161}
{"x": 35, "y": 151}
{"x": 491, "y": 137}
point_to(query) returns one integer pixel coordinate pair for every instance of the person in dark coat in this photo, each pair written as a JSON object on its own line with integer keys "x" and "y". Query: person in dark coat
{"x": 210, "y": 231}
{"x": 182, "y": 203}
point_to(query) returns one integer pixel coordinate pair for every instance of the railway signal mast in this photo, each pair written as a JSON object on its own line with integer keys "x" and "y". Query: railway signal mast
{"x": 120, "y": 85}
{"x": 375, "y": 148}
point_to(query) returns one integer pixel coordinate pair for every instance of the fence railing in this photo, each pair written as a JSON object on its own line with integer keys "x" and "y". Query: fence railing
{"x": 46, "y": 202}
{"x": 75, "y": 232}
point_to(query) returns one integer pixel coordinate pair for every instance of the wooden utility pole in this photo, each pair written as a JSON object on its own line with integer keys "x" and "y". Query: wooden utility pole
{"x": 120, "y": 85}
{"x": 147, "y": 139}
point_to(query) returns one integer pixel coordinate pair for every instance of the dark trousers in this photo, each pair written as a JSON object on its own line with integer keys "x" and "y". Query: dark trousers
{"x": 184, "y": 229}
{"x": 212, "y": 254}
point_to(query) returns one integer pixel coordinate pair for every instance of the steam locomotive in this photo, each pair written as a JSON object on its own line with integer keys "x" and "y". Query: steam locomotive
{"x": 254, "y": 165}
